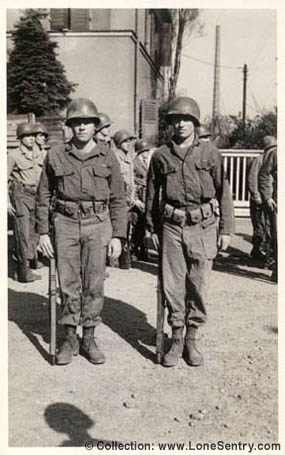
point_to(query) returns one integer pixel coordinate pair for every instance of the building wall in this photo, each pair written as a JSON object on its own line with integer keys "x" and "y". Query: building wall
{"x": 103, "y": 68}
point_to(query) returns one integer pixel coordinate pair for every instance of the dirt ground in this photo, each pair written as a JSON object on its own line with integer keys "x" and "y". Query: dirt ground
{"x": 233, "y": 397}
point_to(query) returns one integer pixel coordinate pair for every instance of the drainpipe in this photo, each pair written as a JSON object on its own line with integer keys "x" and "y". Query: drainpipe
{"x": 136, "y": 74}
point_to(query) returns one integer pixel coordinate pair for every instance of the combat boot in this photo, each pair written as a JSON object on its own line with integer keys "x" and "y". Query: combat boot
{"x": 175, "y": 352}
{"x": 69, "y": 348}
{"x": 25, "y": 275}
{"x": 191, "y": 354}
{"x": 89, "y": 348}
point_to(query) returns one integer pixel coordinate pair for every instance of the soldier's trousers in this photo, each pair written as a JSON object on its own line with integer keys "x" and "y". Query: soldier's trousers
{"x": 25, "y": 236}
{"x": 81, "y": 260}
{"x": 187, "y": 254}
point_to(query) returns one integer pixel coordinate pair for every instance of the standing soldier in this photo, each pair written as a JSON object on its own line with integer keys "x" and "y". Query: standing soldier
{"x": 41, "y": 137}
{"x": 124, "y": 152}
{"x": 24, "y": 170}
{"x": 185, "y": 177}
{"x": 103, "y": 130}
{"x": 89, "y": 216}
{"x": 141, "y": 164}
{"x": 260, "y": 237}
{"x": 268, "y": 191}
{"x": 203, "y": 134}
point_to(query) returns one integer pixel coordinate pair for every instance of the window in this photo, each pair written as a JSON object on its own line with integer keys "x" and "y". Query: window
{"x": 70, "y": 19}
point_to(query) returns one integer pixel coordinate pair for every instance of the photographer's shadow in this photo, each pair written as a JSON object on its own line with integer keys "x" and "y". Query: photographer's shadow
{"x": 130, "y": 324}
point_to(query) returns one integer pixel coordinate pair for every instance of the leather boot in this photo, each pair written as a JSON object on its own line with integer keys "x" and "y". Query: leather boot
{"x": 175, "y": 352}
{"x": 25, "y": 275}
{"x": 89, "y": 348}
{"x": 69, "y": 348}
{"x": 192, "y": 356}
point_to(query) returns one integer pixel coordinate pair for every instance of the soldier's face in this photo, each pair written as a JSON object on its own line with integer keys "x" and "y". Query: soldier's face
{"x": 104, "y": 133}
{"x": 40, "y": 139}
{"x": 126, "y": 145}
{"x": 183, "y": 126}
{"x": 28, "y": 140}
{"x": 83, "y": 129}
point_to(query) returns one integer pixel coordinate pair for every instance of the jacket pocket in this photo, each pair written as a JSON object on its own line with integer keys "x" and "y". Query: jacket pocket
{"x": 101, "y": 176}
{"x": 203, "y": 168}
{"x": 62, "y": 175}
{"x": 171, "y": 178}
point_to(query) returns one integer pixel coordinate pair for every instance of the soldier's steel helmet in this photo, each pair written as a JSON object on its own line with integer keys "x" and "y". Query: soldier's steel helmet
{"x": 202, "y": 131}
{"x": 269, "y": 141}
{"x": 104, "y": 120}
{"x": 141, "y": 145}
{"x": 121, "y": 136}
{"x": 40, "y": 128}
{"x": 81, "y": 108}
{"x": 24, "y": 129}
{"x": 185, "y": 106}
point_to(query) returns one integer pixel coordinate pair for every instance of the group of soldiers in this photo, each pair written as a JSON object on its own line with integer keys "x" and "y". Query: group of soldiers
{"x": 78, "y": 201}
{"x": 262, "y": 185}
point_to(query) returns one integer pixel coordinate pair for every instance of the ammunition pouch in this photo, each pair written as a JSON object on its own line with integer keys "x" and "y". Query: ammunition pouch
{"x": 204, "y": 214}
{"x": 81, "y": 209}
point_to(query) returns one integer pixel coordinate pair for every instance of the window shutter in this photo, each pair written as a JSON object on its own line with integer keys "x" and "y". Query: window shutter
{"x": 79, "y": 19}
{"x": 149, "y": 119}
{"x": 59, "y": 18}
{"x": 165, "y": 48}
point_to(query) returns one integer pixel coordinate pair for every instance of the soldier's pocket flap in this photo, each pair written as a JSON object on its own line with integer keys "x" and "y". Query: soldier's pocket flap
{"x": 60, "y": 171}
{"x": 203, "y": 165}
{"x": 170, "y": 170}
{"x": 24, "y": 165}
{"x": 101, "y": 171}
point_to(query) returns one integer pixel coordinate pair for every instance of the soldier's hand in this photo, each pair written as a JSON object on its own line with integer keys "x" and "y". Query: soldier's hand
{"x": 223, "y": 242}
{"x": 272, "y": 205}
{"x": 45, "y": 246}
{"x": 11, "y": 209}
{"x": 114, "y": 248}
{"x": 258, "y": 200}
{"x": 140, "y": 205}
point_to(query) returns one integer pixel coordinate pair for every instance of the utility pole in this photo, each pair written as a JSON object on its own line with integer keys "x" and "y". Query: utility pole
{"x": 216, "y": 94}
{"x": 245, "y": 71}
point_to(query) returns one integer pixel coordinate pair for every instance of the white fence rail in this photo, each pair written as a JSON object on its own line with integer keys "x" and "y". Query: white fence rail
{"x": 236, "y": 164}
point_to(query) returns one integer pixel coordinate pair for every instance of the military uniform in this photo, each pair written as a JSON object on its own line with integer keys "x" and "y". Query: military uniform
{"x": 268, "y": 190}
{"x": 83, "y": 181}
{"x": 89, "y": 209}
{"x": 261, "y": 234}
{"x": 183, "y": 186}
{"x": 24, "y": 171}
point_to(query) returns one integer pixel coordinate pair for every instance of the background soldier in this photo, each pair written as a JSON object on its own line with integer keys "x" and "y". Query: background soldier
{"x": 268, "y": 191}
{"x": 24, "y": 170}
{"x": 125, "y": 154}
{"x": 103, "y": 130}
{"x": 141, "y": 164}
{"x": 41, "y": 137}
{"x": 203, "y": 133}
{"x": 188, "y": 174}
{"x": 90, "y": 213}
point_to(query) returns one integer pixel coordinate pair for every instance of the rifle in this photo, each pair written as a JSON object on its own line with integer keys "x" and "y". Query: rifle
{"x": 52, "y": 309}
{"x": 160, "y": 313}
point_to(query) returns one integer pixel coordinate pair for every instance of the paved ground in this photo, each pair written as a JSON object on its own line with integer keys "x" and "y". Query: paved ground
{"x": 233, "y": 397}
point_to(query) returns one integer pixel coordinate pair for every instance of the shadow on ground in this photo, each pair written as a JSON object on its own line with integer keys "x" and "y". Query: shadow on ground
{"x": 232, "y": 264}
{"x": 68, "y": 419}
{"x": 30, "y": 312}
{"x": 130, "y": 324}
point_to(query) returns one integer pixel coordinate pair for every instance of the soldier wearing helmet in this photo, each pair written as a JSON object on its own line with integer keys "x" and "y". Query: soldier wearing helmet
{"x": 185, "y": 178}
{"x": 103, "y": 129}
{"x": 267, "y": 184}
{"x": 203, "y": 133}
{"x": 89, "y": 214}
{"x": 41, "y": 137}
{"x": 24, "y": 170}
{"x": 123, "y": 140}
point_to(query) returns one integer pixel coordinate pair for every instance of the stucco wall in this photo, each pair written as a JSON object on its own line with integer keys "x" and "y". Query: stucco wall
{"x": 103, "y": 68}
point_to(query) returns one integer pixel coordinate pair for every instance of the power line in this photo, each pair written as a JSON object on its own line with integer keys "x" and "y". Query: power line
{"x": 212, "y": 64}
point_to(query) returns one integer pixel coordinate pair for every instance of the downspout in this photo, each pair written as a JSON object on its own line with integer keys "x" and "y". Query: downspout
{"x": 136, "y": 74}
